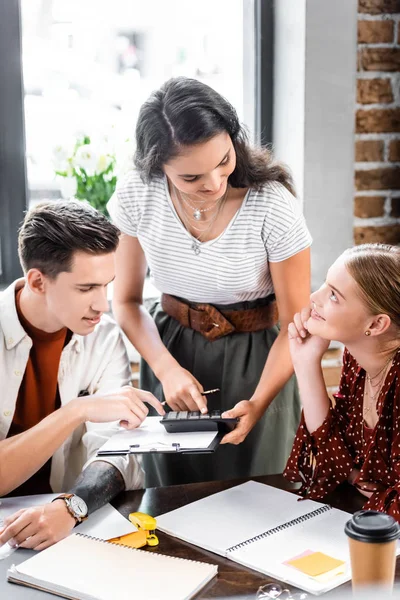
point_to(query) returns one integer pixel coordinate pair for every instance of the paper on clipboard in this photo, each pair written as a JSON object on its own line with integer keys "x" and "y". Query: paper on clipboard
{"x": 151, "y": 436}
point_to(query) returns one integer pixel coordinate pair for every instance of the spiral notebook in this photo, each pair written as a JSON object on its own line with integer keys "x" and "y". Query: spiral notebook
{"x": 81, "y": 567}
{"x": 298, "y": 542}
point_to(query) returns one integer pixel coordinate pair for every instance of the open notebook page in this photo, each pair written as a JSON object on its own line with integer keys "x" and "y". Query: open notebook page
{"x": 88, "y": 569}
{"x": 230, "y": 517}
{"x": 322, "y": 533}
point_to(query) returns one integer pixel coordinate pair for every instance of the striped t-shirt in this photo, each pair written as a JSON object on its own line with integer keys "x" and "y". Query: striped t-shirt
{"x": 268, "y": 227}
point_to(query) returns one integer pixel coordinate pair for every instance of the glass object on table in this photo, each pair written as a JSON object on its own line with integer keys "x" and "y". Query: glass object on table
{"x": 275, "y": 590}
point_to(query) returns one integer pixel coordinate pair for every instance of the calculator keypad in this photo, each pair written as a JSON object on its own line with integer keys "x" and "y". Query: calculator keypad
{"x": 195, "y": 414}
{"x": 189, "y": 421}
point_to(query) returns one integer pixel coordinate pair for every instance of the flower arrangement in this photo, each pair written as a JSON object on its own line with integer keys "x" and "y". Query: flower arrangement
{"x": 87, "y": 170}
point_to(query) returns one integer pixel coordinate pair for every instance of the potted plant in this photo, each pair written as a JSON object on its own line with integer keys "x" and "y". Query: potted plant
{"x": 88, "y": 170}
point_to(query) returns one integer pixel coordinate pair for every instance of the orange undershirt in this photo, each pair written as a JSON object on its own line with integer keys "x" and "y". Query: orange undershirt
{"x": 38, "y": 394}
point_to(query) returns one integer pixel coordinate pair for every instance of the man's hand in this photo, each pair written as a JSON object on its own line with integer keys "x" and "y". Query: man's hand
{"x": 38, "y": 527}
{"x": 249, "y": 413}
{"x": 126, "y": 405}
{"x": 182, "y": 391}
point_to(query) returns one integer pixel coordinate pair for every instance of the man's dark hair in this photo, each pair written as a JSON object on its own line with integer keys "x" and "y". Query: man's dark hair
{"x": 53, "y": 231}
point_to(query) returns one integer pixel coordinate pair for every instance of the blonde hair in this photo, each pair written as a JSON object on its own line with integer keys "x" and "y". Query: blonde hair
{"x": 376, "y": 270}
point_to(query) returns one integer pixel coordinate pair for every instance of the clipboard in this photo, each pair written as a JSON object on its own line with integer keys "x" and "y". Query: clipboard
{"x": 151, "y": 438}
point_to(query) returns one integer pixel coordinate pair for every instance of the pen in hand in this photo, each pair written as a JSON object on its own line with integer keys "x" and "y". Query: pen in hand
{"x": 202, "y": 393}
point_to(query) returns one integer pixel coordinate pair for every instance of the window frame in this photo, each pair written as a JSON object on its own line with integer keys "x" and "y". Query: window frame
{"x": 258, "y": 69}
{"x": 13, "y": 181}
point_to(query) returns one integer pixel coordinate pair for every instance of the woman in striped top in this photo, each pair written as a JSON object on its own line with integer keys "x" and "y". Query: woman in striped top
{"x": 224, "y": 236}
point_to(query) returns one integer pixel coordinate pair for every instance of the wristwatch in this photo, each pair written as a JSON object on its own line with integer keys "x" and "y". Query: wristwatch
{"x": 76, "y": 507}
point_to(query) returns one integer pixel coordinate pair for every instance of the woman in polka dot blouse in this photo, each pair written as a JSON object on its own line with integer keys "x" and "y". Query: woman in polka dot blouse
{"x": 356, "y": 437}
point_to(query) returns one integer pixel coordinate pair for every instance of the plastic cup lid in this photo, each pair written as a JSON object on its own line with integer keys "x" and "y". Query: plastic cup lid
{"x": 373, "y": 527}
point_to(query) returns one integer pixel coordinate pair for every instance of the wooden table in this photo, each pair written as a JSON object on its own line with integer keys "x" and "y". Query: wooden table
{"x": 234, "y": 581}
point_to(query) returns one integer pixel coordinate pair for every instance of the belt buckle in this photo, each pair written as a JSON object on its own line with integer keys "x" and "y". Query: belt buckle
{"x": 218, "y": 325}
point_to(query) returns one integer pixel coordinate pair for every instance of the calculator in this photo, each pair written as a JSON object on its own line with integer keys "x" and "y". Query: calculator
{"x": 184, "y": 421}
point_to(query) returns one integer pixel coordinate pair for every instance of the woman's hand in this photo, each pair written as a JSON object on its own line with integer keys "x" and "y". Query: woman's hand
{"x": 305, "y": 347}
{"x": 352, "y": 479}
{"x": 249, "y": 413}
{"x": 182, "y": 391}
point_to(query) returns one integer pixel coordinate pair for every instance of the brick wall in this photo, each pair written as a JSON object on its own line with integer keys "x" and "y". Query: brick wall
{"x": 377, "y": 143}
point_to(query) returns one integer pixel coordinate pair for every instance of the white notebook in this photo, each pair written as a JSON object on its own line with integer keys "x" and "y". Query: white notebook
{"x": 263, "y": 528}
{"x": 85, "y": 568}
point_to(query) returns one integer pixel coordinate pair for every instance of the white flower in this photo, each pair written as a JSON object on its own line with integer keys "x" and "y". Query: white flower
{"x": 68, "y": 186}
{"x": 124, "y": 157}
{"x": 86, "y": 158}
{"x": 104, "y": 160}
{"x": 61, "y": 157}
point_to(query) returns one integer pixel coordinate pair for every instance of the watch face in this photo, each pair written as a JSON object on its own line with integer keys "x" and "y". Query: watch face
{"x": 78, "y": 506}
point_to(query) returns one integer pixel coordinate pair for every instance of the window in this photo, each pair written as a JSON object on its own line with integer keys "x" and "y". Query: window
{"x": 88, "y": 66}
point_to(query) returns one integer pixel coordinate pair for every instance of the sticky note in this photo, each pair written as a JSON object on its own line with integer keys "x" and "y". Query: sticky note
{"x": 315, "y": 564}
{"x": 305, "y": 553}
{"x": 136, "y": 539}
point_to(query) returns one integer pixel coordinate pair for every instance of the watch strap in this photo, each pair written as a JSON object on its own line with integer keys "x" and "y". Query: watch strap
{"x": 63, "y": 496}
{"x": 66, "y": 497}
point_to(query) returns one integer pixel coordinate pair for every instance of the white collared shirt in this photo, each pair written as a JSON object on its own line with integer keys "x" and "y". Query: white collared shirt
{"x": 96, "y": 363}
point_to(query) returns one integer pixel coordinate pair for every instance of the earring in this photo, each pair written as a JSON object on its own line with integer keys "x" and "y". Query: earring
{"x": 368, "y": 332}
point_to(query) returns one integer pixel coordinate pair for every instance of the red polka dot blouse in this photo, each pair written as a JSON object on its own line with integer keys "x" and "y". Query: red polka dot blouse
{"x": 325, "y": 458}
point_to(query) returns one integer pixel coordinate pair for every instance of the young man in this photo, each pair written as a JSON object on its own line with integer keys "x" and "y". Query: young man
{"x": 64, "y": 373}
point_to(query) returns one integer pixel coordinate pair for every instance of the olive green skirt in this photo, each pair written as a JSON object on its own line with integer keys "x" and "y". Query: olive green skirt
{"x": 234, "y": 364}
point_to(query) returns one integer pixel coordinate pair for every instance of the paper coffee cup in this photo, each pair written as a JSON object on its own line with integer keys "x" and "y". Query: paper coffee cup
{"x": 373, "y": 542}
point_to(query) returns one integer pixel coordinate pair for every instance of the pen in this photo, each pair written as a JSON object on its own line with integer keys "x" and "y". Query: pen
{"x": 202, "y": 393}
{"x": 209, "y": 392}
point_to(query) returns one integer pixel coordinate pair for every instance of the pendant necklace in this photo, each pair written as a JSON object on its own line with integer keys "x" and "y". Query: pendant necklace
{"x": 186, "y": 219}
{"x": 197, "y": 212}
{"x": 371, "y": 398}
{"x": 196, "y": 248}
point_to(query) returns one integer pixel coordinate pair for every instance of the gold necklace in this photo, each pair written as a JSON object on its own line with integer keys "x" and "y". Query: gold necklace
{"x": 371, "y": 379}
{"x": 372, "y": 399}
{"x": 374, "y": 396}
{"x": 367, "y": 410}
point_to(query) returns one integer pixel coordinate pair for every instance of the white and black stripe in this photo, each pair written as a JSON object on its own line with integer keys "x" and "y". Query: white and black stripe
{"x": 269, "y": 227}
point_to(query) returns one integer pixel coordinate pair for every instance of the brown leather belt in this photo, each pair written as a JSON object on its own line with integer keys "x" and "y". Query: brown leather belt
{"x": 213, "y": 323}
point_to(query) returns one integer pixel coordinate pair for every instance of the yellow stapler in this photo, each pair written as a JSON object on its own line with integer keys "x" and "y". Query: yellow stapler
{"x": 145, "y": 534}
{"x": 145, "y": 523}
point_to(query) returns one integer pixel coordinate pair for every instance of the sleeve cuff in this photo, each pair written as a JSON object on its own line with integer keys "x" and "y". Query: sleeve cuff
{"x": 322, "y": 433}
{"x": 128, "y": 466}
